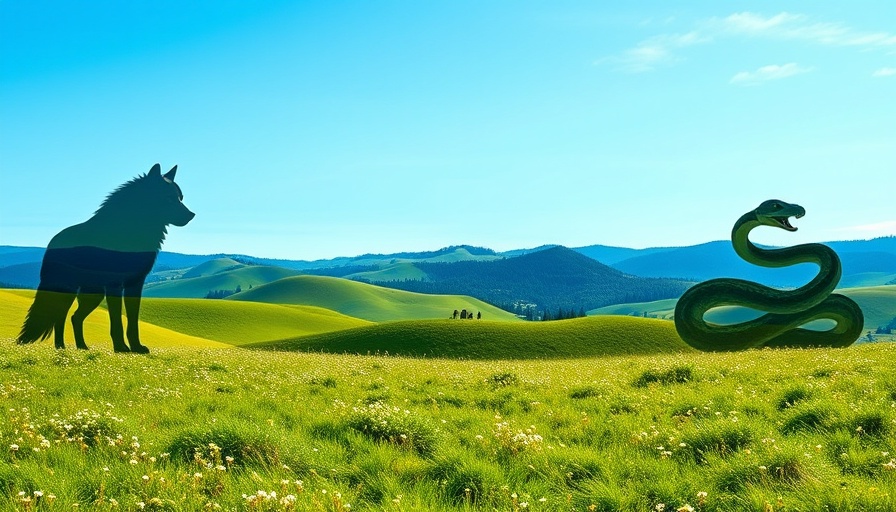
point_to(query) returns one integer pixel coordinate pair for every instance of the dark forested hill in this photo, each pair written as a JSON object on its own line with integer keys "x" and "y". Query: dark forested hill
{"x": 553, "y": 278}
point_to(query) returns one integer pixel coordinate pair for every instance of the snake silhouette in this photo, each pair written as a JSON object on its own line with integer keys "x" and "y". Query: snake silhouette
{"x": 786, "y": 310}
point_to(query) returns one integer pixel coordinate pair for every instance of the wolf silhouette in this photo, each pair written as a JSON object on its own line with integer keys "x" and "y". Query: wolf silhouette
{"x": 108, "y": 256}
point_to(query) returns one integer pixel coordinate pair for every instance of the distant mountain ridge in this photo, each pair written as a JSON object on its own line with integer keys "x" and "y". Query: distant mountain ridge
{"x": 865, "y": 263}
{"x": 550, "y": 279}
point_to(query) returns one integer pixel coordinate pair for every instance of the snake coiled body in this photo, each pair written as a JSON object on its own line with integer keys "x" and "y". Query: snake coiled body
{"x": 786, "y": 310}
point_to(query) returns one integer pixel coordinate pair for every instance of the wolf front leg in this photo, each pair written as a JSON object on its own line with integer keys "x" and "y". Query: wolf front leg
{"x": 116, "y": 329}
{"x": 132, "y": 296}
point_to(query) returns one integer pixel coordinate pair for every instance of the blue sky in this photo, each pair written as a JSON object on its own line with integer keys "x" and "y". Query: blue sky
{"x": 321, "y": 129}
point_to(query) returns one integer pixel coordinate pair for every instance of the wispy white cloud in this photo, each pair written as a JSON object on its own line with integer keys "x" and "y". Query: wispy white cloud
{"x": 656, "y": 52}
{"x": 799, "y": 27}
{"x": 753, "y": 24}
{"x": 882, "y": 72}
{"x": 768, "y": 73}
{"x": 664, "y": 49}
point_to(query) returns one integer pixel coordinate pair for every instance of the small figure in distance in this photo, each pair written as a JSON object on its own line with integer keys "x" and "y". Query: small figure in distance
{"x": 108, "y": 256}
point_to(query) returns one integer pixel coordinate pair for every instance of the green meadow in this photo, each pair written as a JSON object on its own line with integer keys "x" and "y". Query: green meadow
{"x": 203, "y": 429}
{"x": 279, "y": 402}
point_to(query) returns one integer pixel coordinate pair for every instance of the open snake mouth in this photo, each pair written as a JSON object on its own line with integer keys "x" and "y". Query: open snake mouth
{"x": 784, "y": 222}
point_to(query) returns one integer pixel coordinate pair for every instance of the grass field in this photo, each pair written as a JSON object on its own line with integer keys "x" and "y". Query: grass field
{"x": 474, "y": 339}
{"x": 366, "y": 301}
{"x": 197, "y": 429}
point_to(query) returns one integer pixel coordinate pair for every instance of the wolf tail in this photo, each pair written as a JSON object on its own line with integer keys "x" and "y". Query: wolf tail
{"x": 48, "y": 307}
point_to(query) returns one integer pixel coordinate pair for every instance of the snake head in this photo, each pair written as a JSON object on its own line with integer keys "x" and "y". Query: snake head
{"x": 777, "y": 214}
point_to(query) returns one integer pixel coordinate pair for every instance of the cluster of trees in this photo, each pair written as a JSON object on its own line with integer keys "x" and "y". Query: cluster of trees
{"x": 562, "y": 314}
{"x": 534, "y": 312}
{"x": 220, "y": 294}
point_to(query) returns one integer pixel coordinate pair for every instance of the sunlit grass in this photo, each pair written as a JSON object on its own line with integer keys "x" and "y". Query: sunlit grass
{"x": 195, "y": 429}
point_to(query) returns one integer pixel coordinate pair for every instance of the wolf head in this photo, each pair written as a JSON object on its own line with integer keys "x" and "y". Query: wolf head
{"x": 168, "y": 198}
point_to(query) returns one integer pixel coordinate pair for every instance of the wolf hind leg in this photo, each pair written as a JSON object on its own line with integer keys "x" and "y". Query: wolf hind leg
{"x": 116, "y": 329}
{"x": 88, "y": 300}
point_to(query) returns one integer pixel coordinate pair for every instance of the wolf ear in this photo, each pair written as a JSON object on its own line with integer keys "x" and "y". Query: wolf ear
{"x": 170, "y": 174}
{"x": 156, "y": 170}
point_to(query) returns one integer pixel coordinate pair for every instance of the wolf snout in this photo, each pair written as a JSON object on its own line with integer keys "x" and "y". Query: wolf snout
{"x": 185, "y": 217}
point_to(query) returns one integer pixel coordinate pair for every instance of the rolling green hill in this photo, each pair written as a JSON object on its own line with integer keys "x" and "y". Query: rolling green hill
{"x": 580, "y": 337}
{"x": 14, "y": 305}
{"x": 878, "y": 304}
{"x": 393, "y": 272}
{"x": 664, "y": 309}
{"x": 865, "y": 279}
{"x": 366, "y": 301}
{"x": 195, "y": 322}
{"x": 213, "y": 267}
{"x": 224, "y": 279}
{"x": 239, "y": 323}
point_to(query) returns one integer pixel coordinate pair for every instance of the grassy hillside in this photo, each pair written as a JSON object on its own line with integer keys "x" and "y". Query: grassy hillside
{"x": 461, "y": 254}
{"x": 198, "y": 287}
{"x": 14, "y": 306}
{"x": 878, "y": 304}
{"x": 366, "y": 301}
{"x": 239, "y": 323}
{"x": 866, "y": 279}
{"x": 214, "y": 266}
{"x": 581, "y": 337}
{"x": 192, "y": 430}
{"x": 664, "y": 308}
{"x": 393, "y": 272}
{"x": 22, "y": 275}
